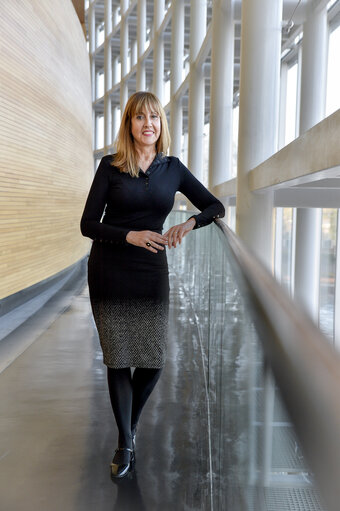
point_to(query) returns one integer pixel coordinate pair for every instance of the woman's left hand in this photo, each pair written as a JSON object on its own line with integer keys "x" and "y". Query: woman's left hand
{"x": 176, "y": 233}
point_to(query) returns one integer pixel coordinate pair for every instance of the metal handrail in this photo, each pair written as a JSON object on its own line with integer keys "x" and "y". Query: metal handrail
{"x": 305, "y": 366}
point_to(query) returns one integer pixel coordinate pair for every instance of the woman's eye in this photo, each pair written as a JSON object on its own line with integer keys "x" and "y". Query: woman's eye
{"x": 139, "y": 117}
{"x": 155, "y": 116}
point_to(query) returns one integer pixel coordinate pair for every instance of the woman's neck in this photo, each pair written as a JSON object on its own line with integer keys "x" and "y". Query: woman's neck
{"x": 146, "y": 154}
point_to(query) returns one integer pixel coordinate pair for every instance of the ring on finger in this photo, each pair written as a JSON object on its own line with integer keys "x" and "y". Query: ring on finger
{"x": 148, "y": 244}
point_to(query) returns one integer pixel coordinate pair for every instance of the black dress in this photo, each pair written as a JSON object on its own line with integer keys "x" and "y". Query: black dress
{"x": 129, "y": 285}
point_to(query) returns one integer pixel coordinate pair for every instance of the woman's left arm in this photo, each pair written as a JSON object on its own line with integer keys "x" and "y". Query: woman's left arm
{"x": 202, "y": 199}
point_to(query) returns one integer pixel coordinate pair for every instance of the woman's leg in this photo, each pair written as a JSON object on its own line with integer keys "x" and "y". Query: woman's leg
{"x": 120, "y": 388}
{"x": 143, "y": 383}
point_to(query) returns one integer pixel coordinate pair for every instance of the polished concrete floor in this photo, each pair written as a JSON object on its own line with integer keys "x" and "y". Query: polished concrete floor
{"x": 57, "y": 432}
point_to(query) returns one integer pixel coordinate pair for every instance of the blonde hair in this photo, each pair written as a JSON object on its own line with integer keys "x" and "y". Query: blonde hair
{"x": 126, "y": 158}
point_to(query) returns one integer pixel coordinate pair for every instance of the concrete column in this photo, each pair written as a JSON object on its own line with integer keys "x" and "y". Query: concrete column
{"x": 124, "y": 50}
{"x": 221, "y": 93}
{"x": 134, "y": 56}
{"x": 92, "y": 48}
{"x": 115, "y": 17}
{"x": 198, "y": 15}
{"x": 115, "y": 121}
{"x": 115, "y": 77}
{"x": 177, "y": 51}
{"x": 307, "y": 259}
{"x": 312, "y": 110}
{"x": 107, "y": 76}
{"x": 141, "y": 39}
{"x": 158, "y": 51}
{"x": 259, "y": 116}
{"x": 278, "y": 243}
{"x": 313, "y": 67}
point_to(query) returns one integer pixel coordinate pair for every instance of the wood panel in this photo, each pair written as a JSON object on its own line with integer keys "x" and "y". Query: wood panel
{"x": 46, "y": 163}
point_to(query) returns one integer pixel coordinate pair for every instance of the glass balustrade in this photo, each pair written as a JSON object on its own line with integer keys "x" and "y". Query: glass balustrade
{"x": 256, "y": 461}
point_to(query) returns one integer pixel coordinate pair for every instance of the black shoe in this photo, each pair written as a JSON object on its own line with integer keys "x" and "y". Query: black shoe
{"x": 122, "y": 462}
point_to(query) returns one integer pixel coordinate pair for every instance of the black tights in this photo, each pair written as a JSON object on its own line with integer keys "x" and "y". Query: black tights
{"x": 128, "y": 395}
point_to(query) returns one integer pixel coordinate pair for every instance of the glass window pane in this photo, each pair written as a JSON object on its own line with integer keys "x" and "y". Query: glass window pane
{"x": 235, "y": 141}
{"x": 290, "y": 131}
{"x": 333, "y": 75}
{"x": 100, "y": 85}
{"x": 99, "y": 132}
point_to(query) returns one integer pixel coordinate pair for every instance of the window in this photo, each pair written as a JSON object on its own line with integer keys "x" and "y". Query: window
{"x": 99, "y": 131}
{"x": 235, "y": 141}
{"x": 333, "y": 74}
{"x": 291, "y": 104}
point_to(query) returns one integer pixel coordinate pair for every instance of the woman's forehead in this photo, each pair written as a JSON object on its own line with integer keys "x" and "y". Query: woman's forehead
{"x": 146, "y": 112}
{"x": 145, "y": 107}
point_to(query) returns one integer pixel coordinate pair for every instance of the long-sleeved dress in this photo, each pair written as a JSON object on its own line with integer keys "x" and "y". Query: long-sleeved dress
{"x": 129, "y": 285}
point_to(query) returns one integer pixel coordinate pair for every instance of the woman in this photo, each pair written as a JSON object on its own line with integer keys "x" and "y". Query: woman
{"x": 127, "y": 266}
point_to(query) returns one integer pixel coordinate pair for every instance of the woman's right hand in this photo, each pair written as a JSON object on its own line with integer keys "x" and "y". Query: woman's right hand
{"x": 147, "y": 239}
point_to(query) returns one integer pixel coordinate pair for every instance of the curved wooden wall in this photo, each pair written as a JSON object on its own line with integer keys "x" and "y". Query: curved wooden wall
{"x": 46, "y": 162}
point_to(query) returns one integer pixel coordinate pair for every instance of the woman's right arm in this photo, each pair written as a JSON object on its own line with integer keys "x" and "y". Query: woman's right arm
{"x": 90, "y": 224}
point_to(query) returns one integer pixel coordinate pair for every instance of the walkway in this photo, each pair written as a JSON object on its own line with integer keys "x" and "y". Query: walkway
{"x": 57, "y": 433}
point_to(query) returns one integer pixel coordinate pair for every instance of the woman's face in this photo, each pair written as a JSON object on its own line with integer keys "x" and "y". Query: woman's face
{"x": 146, "y": 128}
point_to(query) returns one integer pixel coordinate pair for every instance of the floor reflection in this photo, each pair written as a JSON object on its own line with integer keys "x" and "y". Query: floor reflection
{"x": 129, "y": 496}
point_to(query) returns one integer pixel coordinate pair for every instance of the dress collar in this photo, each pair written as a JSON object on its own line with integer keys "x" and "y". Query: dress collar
{"x": 158, "y": 160}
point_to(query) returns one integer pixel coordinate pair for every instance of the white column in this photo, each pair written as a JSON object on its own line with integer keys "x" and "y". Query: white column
{"x": 115, "y": 121}
{"x": 141, "y": 38}
{"x": 134, "y": 53}
{"x": 312, "y": 110}
{"x": 307, "y": 259}
{"x": 115, "y": 77}
{"x": 259, "y": 116}
{"x": 107, "y": 76}
{"x": 115, "y": 19}
{"x": 313, "y": 67}
{"x": 92, "y": 48}
{"x": 221, "y": 93}
{"x": 278, "y": 243}
{"x": 124, "y": 50}
{"x": 177, "y": 51}
{"x": 198, "y": 15}
{"x": 158, "y": 51}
